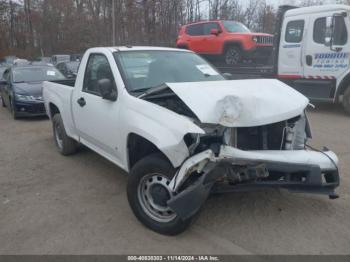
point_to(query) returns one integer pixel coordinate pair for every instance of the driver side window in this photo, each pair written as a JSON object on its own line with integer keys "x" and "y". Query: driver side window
{"x": 97, "y": 68}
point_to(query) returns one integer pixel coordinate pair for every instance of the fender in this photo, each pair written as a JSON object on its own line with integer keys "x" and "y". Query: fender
{"x": 160, "y": 126}
{"x": 56, "y": 99}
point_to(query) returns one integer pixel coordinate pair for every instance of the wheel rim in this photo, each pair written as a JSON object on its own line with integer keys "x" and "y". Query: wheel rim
{"x": 153, "y": 192}
{"x": 232, "y": 57}
{"x": 58, "y": 135}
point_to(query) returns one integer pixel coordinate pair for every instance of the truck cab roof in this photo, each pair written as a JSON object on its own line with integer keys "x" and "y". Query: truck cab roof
{"x": 317, "y": 9}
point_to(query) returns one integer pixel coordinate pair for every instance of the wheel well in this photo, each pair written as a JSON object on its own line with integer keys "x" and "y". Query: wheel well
{"x": 232, "y": 44}
{"x": 345, "y": 83}
{"x": 139, "y": 147}
{"x": 53, "y": 110}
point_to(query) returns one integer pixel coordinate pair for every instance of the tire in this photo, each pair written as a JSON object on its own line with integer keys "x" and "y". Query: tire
{"x": 65, "y": 145}
{"x": 346, "y": 100}
{"x": 3, "y": 102}
{"x": 13, "y": 111}
{"x": 154, "y": 167}
{"x": 232, "y": 56}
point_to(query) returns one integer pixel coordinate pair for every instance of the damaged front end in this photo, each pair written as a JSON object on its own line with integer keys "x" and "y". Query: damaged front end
{"x": 250, "y": 142}
{"x": 272, "y": 156}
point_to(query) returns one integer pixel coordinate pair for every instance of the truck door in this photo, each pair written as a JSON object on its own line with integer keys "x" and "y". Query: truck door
{"x": 96, "y": 119}
{"x": 291, "y": 47}
{"x": 325, "y": 62}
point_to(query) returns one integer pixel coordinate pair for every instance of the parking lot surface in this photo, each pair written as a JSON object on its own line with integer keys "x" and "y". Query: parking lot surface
{"x": 51, "y": 204}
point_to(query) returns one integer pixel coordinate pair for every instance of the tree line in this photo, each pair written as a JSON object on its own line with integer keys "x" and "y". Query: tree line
{"x": 30, "y": 28}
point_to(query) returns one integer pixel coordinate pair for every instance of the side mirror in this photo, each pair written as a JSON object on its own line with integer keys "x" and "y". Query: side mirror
{"x": 107, "y": 90}
{"x": 227, "y": 76}
{"x": 214, "y": 32}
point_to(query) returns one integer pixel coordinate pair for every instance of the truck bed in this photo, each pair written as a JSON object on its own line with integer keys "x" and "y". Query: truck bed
{"x": 57, "y": 96}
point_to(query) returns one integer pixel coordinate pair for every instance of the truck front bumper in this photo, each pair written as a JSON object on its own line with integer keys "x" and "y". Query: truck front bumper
{"x": 296, "y": 171}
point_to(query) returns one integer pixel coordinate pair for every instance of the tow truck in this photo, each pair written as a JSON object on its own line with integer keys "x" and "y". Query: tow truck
{"x": 311, "y": 53}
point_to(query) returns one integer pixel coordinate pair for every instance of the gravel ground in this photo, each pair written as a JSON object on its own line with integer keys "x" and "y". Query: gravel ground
{"x": 50, "y": 204}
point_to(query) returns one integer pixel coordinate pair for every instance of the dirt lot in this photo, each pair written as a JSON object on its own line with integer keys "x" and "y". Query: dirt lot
{"x": 50, "y": 204}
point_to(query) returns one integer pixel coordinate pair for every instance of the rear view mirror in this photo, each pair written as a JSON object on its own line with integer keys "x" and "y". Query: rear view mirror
{"x": 107, "y": 89}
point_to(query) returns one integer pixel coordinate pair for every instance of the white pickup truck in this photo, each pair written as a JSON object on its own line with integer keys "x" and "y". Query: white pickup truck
{"x": 182, "y": 131}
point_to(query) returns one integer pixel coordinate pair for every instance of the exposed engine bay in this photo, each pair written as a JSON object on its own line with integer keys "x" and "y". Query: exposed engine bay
{"x": 234, "y": 155}
{"x": 285, "y": 135}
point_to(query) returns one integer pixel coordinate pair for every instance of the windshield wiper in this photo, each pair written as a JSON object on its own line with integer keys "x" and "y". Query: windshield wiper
{"x": 151, "y": 90}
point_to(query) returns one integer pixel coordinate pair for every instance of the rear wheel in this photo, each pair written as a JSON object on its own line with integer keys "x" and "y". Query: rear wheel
{"x": 66, "y": 145}
{"x": 148, "y": 193}
{"x": 232, "y": 56}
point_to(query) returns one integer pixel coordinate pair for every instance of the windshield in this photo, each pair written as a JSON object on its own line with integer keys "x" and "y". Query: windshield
{"x": 36, "y": 74}
{"x": 235, "y": 27}
{"x": 145, "y": 69}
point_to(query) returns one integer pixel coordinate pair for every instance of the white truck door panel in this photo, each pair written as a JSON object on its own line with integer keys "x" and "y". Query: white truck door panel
{"x": 320, "y": 61}
{"x": 291, "y": 46}
{"x": 96, "y": 119}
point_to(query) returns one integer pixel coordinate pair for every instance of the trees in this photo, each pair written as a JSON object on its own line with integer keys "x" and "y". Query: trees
{"x": 42, "y": 27}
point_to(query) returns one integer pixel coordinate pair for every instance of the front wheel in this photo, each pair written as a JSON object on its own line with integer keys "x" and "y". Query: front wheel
{"x": 232, "y": 56}
{"x": 148, "y": 193}
{"x": 346, "y": 100}
{"x": 13, "y": 110}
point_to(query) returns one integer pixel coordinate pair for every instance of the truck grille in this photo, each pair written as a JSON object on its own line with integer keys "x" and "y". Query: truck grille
{"x": 265, "y": 40}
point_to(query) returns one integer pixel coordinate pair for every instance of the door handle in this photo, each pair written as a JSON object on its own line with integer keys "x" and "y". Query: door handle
{"x": 81, "y": 101}
{"x": 309, "y": 60}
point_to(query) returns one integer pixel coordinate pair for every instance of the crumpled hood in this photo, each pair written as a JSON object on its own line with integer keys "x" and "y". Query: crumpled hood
{"x": 241, "y": 103}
